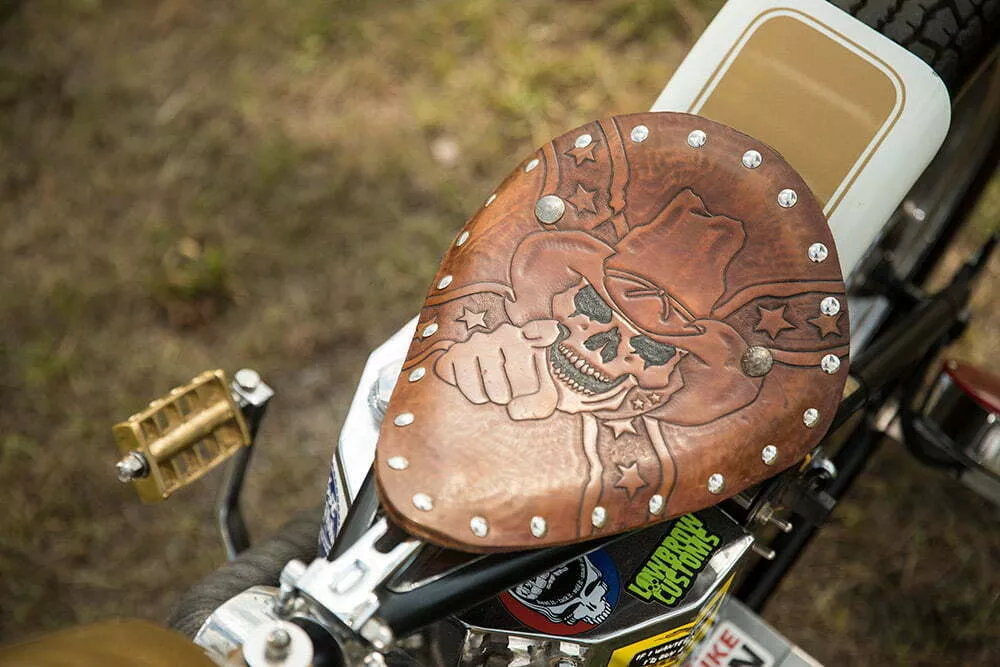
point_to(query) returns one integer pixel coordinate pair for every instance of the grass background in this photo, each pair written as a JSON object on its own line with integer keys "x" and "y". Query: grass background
{"x": 193, "y": 185}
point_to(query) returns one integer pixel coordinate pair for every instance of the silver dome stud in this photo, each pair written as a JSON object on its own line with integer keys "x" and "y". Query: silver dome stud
{"x": 417, "y": 373}
{"x": 810, "y": 417}
{"x": 531, "y": 165}
{"x": 429, "y": 330}
{"x": 756, "y": 361}
{"x": 583, "y": 141}
{"x": 423, "y": 502}
{"x": 830, "y": 364}
{"x": 818, "y": 252}
{"x": 787, "y": 198}
{"x": 398, "y": 463}
{"x": 751, "y": 159}
{"x": 403, "y": 419}
{"x": 489, "y": 200}
{"x": 769, "y": 454}
{"x": 549, "y": 209}
{"x": 479, "y": 526}
{"x": 444, "y": 282}
{"x": 462, "y": 238}
{"x": 538, "y": 526}
{"x": 829, "y": 306}
{"x": 656, "y": 504}
{"x": 716, "y": 483}
{"x": 697, "y": 139}
{"x": 639, "y": 133}
{"x": 599, "y": 517}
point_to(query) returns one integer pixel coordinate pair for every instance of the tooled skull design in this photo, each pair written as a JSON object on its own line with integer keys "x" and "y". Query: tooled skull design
{"x": 568, "y": 594}
{"x": 596, "y": 328}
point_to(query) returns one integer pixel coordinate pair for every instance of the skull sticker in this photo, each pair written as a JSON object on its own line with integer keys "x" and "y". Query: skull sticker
{"x": 569, "y": 599}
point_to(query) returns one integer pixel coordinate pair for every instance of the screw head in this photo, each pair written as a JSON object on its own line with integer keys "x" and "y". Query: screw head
{"x": 132, "y": 467}
{"x": 423, "y": 502}
{"x": 538, "y": 526}
{"x": 462, "y": 238}
{"x": 398, "y": 463}
{"x": 656, "y": 504}
{"x": 444, "y": 282}
{"x": 583, "y": 141}
{"x": 716, "y": 483}
{"x": 810, "y": 417}
{"x": 787, "y": 198}
{"x": 403, "y": 419}
{"x": 549, "y": 209}
{"x": 429, "y": 330}
{"x": 769, "y": 454}
{"x": 417, "y": 373}
{"x": 756, "y": 361}
{"x": 818, "y": 252}
{"x": 751, "y": 159}
{"x": 697, "y": 139}
{"x": 830, "y": 364}
{"x": 639, "y": 133}
{"x": 830, "y": 305}
{"x": 278, "y": 642}
{"x": 531, "y": 165}
{"x": 479, "y": 526}
{"x": 247, "y": 378}
{"x": 599, "y": 517}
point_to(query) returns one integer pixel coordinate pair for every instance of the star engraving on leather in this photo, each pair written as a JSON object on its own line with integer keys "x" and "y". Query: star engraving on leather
{"x": 583, "y": 154}
{"x": 583, "y": 199}
{"x": 654, "y": 398}
{"x": 772, "y": 320}
{"x": 630, "y": 481}
{"x": 638, "y": 403}
{"x": 472, "y": 319}
{"x": 619, "y": 426}
{"x": 827, "y": 325}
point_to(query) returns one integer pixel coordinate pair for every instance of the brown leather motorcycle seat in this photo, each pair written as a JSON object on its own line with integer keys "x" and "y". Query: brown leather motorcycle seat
{"x": 645, "y": 318}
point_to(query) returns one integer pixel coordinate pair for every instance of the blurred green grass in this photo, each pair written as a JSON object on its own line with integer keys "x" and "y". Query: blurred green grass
{"x": 187, "y": 186}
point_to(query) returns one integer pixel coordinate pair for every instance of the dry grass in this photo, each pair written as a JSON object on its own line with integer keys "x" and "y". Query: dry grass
{"x": 189, "y": 185}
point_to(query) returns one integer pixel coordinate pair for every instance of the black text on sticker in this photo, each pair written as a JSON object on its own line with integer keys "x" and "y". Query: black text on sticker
{"x": 729, "y": 646}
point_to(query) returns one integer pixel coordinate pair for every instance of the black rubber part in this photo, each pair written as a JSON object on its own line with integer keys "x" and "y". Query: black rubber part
{"x": 952, "y": 36}
{"x": 259, "y": 565}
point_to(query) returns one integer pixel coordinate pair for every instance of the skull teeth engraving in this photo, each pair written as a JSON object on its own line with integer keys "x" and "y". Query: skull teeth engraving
{"x": 574, "y": 371}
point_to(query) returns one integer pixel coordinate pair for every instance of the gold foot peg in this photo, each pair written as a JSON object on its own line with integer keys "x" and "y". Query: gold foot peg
{"x": 180, "y": 437}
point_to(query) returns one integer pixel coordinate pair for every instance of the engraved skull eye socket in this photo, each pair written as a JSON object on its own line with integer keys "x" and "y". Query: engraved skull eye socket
{"x": 607, "y": 342}
{"x": 651, "y": 351}
{"x": 588, "y": 302}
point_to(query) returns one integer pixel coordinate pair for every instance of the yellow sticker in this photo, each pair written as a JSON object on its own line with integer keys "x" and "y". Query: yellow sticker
{"x": 673, "y": 646}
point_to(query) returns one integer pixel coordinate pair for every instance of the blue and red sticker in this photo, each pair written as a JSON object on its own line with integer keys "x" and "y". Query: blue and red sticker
{"x": 569, "y": 599}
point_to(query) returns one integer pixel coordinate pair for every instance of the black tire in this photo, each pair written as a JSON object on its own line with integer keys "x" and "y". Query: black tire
{"x": 952, "y": 36}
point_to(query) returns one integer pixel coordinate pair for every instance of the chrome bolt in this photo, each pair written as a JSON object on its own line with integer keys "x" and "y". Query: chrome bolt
{"x": 132, "y": 467}
{"x": 716, "y": 483}
{"x": 787, "y": 198}
{"x": 751, "y": 159}
{"x": 277, "y": 645}
{"x": 549, "y": 209}
{"x": 403, "y": 419}
{"x": 769, "y": 454}
{"x": 247, "y": 379}
{"x": 830, "y": 364}
{"x": 656, "y": 504}
{"x": 818, "y": 252}
{"x": 639, "y": 133}
{"x": 479, "y": 526}
{"x": 423, "y": 502}
{"x": 599, "y": 517}
{"x": 398, "y": 463}
{"x": 829, "y": 306}
{"x": 810, "y": 417}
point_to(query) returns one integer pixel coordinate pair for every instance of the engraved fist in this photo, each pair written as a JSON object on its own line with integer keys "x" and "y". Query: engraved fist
{"x": 507, "y": 366}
